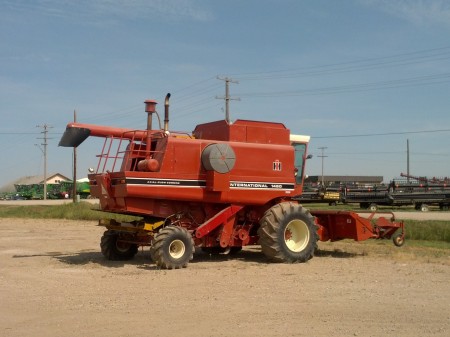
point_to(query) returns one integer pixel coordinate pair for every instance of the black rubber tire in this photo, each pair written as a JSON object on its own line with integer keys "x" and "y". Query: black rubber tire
{"x": 424, "y": 208}
{"x": 172, "y": 248}
{"x": 283, "y": 220}
{"x": 373, "y": 207}
{"x": 113, "y": 249}
{"x": 398, "y": 240}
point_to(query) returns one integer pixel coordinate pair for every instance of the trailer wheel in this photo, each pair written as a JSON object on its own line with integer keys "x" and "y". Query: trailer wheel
{"x": 172, "y": 248}
{"x": 373, "y": 207}
{"x": 288, "y": 233}
{"x": 424, "y": 208}
{"x": 399, "y": 240}
{"x": 113, "y": 248}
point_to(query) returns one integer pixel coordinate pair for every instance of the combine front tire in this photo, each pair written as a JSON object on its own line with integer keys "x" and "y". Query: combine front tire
{"x": 114, "y": 247}
{"x": 172, "y": 248}
{"x": 288, "y": 233}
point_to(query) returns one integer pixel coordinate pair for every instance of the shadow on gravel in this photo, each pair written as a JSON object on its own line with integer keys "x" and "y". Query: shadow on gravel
{"x": 143, "y": 260}
{"x": 337, "y": 253}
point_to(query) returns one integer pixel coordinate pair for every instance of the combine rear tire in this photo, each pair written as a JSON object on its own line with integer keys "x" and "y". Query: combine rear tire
{"x": 288, "y": 233}
{"x": 172, "y": 248}
{"x": 113, "y": 248}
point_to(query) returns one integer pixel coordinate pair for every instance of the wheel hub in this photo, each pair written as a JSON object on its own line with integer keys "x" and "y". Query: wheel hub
{"x": 296, "y": 235}
{"x": 177, "y": 249}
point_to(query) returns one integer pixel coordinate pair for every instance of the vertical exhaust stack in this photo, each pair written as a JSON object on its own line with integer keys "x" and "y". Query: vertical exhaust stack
{"x": 166, "y": 113}
{"x": 150, "y": 108}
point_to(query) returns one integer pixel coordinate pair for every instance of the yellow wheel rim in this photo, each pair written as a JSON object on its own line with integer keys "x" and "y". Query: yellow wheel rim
{"x": 177, "y": 249}
{"x": 296, "y": 235}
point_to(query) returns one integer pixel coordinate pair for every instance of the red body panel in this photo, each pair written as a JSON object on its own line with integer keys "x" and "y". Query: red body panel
{"x": 253, "y": 179}
{"x": 216, "y": 183}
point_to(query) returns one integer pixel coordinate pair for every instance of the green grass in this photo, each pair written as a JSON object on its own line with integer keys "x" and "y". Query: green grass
{"x": 70, "y": 211}
{"x": 427, "y": 230}
{"x": 425, "y": 233}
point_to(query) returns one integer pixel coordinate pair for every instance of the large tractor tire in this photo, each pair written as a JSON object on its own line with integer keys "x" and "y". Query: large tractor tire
{"x": 113, "y": 248}
{"x": 172, "y": 248}
{"x": 288, "y": 233}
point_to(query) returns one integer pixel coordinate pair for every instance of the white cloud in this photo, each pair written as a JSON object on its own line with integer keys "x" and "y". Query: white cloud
{"x": 113, "y": 9}
{"x": 416, "y": 11}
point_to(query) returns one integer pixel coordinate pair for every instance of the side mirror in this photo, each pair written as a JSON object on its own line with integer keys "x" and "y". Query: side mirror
{"x": 309, "y": 156}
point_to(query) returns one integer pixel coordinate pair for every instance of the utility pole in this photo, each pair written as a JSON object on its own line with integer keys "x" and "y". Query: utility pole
{"x": 407, "y": 159}
{"x": 45, "y": 128}
{"x": 227, "y": 97}
{"x": 74, "y": 187}
{"x": 322, "y": 156}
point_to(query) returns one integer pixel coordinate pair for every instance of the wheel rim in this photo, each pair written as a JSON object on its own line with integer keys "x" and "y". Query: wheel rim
{"x": 399, "y": 240}
{"x": 122, "y": 246}
{"x": 177, "y": 249}
{"x": 296, "y": 235}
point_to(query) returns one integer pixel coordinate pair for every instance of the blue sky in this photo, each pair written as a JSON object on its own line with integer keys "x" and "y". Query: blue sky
{"x": 360, "y": 76}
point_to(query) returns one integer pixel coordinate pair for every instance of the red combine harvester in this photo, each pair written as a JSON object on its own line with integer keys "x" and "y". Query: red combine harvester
{"x": 220, "y": 188}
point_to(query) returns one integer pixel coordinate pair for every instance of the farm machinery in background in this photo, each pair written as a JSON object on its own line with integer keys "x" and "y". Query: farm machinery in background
{"x": 61, "y": 190}
{"x": 36, "y": 192}
{"x": 220, "y": 188}
{"x": 420, "y": 192}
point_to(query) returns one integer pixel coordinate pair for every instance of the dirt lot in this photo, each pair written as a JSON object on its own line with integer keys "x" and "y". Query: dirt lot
{"x": 55, "y": 282}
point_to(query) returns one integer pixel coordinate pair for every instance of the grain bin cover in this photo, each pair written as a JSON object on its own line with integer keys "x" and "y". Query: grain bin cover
{"x": 218, "y": 157}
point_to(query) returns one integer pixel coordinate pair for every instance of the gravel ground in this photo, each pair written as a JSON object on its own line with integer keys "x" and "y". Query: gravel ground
{"x": 55, "y": 282}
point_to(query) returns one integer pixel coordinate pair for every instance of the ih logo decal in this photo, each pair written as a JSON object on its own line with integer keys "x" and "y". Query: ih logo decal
{"x": 277, "y": 165}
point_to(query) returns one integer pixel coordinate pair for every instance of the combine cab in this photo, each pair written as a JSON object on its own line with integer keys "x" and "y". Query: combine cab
{"x": 221, "y": 187}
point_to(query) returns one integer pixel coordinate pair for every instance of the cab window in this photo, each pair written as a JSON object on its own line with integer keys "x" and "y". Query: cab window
{"x": 300, "y": 150}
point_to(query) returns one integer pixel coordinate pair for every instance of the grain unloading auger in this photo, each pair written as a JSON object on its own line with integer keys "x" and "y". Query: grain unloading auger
{"x": 222, "y": 187}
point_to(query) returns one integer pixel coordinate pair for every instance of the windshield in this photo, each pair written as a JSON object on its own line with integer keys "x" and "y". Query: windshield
{"x": 300, "y": 150}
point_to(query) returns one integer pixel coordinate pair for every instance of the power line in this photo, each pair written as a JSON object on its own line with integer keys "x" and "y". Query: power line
{"x": 19, "y": 133}
{"x": 416, "y": 57}
{"x": 382, "y": 134}
{"x": 405, "y": 82}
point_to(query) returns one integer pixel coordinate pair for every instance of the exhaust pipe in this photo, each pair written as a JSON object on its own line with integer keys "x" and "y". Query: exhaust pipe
{"x": 150, "y": 108}
{"x": 166, "y": 113}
